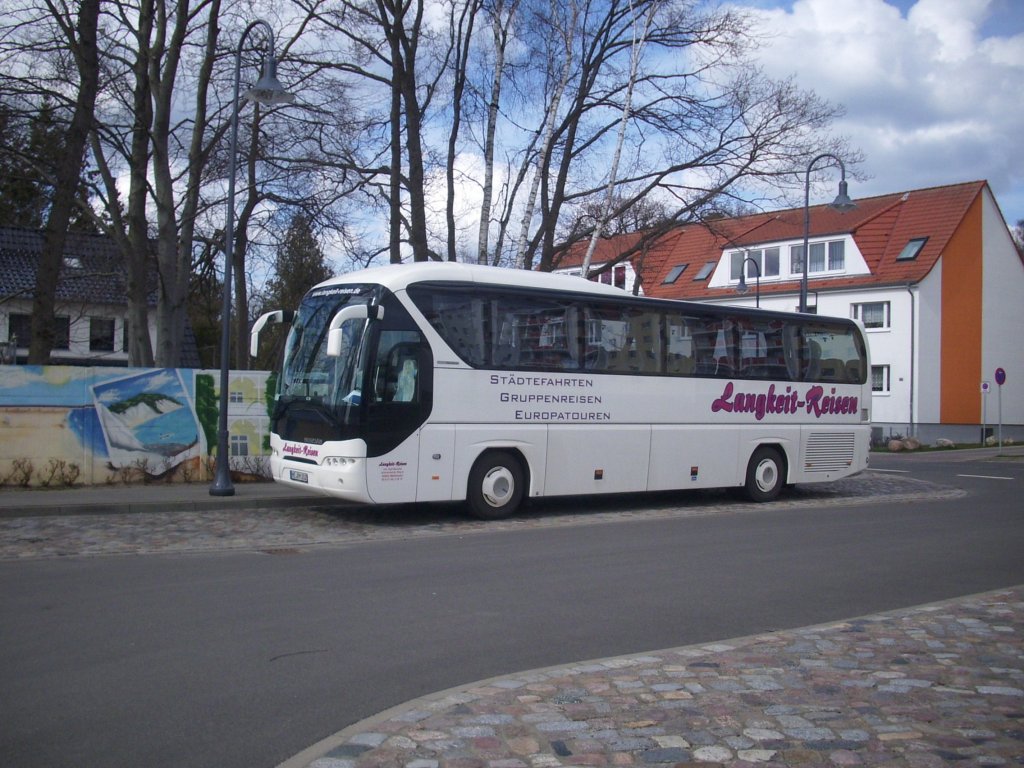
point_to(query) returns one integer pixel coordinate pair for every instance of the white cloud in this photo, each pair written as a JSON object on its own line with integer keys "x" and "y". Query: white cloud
{"x": 931, "y": 95}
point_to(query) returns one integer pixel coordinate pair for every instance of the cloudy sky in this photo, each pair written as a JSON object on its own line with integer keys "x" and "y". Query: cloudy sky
{"x": 933, "y": 89}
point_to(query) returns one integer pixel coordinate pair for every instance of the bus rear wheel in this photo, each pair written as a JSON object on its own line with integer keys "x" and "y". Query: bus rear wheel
{"x": 766, "y": 474}
{"x": 496, "y": 486}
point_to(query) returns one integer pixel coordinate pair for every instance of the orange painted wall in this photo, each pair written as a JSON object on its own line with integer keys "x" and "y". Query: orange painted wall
{"x": 960, "y": 371}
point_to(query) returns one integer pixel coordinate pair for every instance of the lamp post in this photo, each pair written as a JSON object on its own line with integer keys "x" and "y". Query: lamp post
{"x": 742, "y": 287}
{"x": 842, "y": 203}
{"x": 268, "y": 90}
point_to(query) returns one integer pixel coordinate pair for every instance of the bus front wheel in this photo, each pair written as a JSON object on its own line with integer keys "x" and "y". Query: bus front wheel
{"x": 766, "y": 474}
{"x": 496, "y": 486}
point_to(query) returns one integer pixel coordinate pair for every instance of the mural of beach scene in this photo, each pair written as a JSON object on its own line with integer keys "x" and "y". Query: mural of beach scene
{"x": 147, "y": 419}
{"x": 104, "y": 424}
{"x": 100, "y": 421}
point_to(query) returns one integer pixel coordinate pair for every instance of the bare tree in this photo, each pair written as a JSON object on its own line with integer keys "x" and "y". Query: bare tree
{"x": 639, "y": 38}
{"x": 502, "y": 16}
{"x": 74, "y": 36}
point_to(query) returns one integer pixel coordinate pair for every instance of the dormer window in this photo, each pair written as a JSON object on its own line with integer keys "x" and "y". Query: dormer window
{"x": 72, "y": 262}
{"x": 825, "y": 257}
{"x": 911, "y": 249}
{"x": 759, "y": 262}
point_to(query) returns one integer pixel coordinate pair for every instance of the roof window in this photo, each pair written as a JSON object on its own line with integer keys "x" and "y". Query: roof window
{"x": 911, "y": 249}
{"x": 706, "y": 270}
{"x": 674, "y": 273}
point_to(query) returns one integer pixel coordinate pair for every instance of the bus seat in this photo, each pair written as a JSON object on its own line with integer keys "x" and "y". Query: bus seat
{"x": 596, "y": 359}
{"x": 833, "y": 369}
{"x": 643, "y": 362}
{"x": 615, "y": 361}
{"x": 405, "y": 389}
{"x": 853, "y": 374}
{"x": 813, "y": 368}
{"x": 680, "y": 365}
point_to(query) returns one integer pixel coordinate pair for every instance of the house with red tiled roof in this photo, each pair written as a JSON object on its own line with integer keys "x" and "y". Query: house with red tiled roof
{"x": 933, "y": 274}
{"x": 621, "y": 274}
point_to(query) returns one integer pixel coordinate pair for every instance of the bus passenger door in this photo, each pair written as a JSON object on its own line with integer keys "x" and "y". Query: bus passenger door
{"x": 398, "y": 399}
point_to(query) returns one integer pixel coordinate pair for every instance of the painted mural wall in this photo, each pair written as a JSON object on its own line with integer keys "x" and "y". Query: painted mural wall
{"x": 68, "y": 425}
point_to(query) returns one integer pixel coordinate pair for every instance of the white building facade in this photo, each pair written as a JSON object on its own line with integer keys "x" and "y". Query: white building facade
{"x": 933, "y": 275}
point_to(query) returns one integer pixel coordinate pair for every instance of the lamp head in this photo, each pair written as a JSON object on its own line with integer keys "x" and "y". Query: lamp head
{"x": 843, "y": 202}
{"x": 268, "y": 89}
{"x": 741, "y": 287}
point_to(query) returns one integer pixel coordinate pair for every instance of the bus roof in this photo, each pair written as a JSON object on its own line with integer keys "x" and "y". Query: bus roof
{"x": 396, "y": 277}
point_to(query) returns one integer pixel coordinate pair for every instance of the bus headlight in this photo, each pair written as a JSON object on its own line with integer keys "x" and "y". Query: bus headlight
{"x": 338, "y": 462}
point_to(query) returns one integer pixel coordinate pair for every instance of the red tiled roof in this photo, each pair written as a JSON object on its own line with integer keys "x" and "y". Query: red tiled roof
{"x": 606, "y": 249}
{"x": 881, "y": 226}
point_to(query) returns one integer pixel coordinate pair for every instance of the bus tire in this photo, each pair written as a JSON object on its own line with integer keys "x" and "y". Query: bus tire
{"x": 766, "y": 474}
{"x": 496, "y": 485}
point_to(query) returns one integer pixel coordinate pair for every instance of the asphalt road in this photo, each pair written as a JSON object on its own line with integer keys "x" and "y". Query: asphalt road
{"x": 244, "y": 659}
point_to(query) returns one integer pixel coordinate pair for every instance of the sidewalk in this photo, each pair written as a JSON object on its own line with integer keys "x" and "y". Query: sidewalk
{"x": 153, "y": 497}
{"x": 195, "y": 497}
{"x": 931, "y": 686}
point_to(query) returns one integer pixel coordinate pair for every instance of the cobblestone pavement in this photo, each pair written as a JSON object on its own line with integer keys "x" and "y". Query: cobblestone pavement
{"x": 238, "y": 527}
{"x": 932, "y": 686}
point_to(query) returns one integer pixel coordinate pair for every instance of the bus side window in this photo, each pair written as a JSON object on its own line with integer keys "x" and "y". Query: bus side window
{"x": 679, "y": 357}
{"x": 396, "y": 375}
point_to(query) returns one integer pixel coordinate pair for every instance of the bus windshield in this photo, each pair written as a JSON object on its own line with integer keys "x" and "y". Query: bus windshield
{"x": 309, "y": 375}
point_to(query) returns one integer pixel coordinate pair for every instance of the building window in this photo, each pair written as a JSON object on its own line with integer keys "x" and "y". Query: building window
{"x": 62, "y": 333}
{"x": 20, "y": 327}
{"x": 873, "y": 314}
{"x": 674, "y": 273}
{"x": 817, "y": 261}
{"x": 879, "y": 378}
{"x": 911, "y": 249}
{"x": 758, "y": 263}
{"x": 239, "y": 445}
{"x": 706, "y": 270}
{"x": 836, "y": 255}
{"x": 615, "y": 276}
{"x": 19, "y": 330}
{"x": 101, "y": 334}
{"x": 825, "y": 257}
{"x": 736, "y": 262}
{"x": 234, "y": 396}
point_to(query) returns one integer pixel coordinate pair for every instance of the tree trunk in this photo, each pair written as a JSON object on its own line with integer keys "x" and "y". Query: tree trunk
{"x": 500, "y": 34}
{"x": 173, "y": 288}
{"x": 140, "y": 350}
{"x": 66, "y": 185}
{"x": 197, "y": 157}
{"x": 524, "y": 253}
{"x": 461, "y": 44}
{"x": 634, "y": 64}
{"x": 395, "y": 180}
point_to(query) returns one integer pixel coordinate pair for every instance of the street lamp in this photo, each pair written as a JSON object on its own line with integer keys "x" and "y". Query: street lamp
{"x": 842, "y": 203}
{"x": 268, "y": 90}
{"x": 742, "y": 287}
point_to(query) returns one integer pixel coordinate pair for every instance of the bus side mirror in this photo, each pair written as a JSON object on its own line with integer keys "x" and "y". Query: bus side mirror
{"x": 354, "y": 312}
{"x": 277, "y": 316}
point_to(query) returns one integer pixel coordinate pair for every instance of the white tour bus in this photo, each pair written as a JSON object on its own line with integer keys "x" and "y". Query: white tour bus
{"x": 444, "y": 381}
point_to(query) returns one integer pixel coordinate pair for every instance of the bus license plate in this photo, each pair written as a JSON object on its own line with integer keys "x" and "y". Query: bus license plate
{"x": 297, "y": 476}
